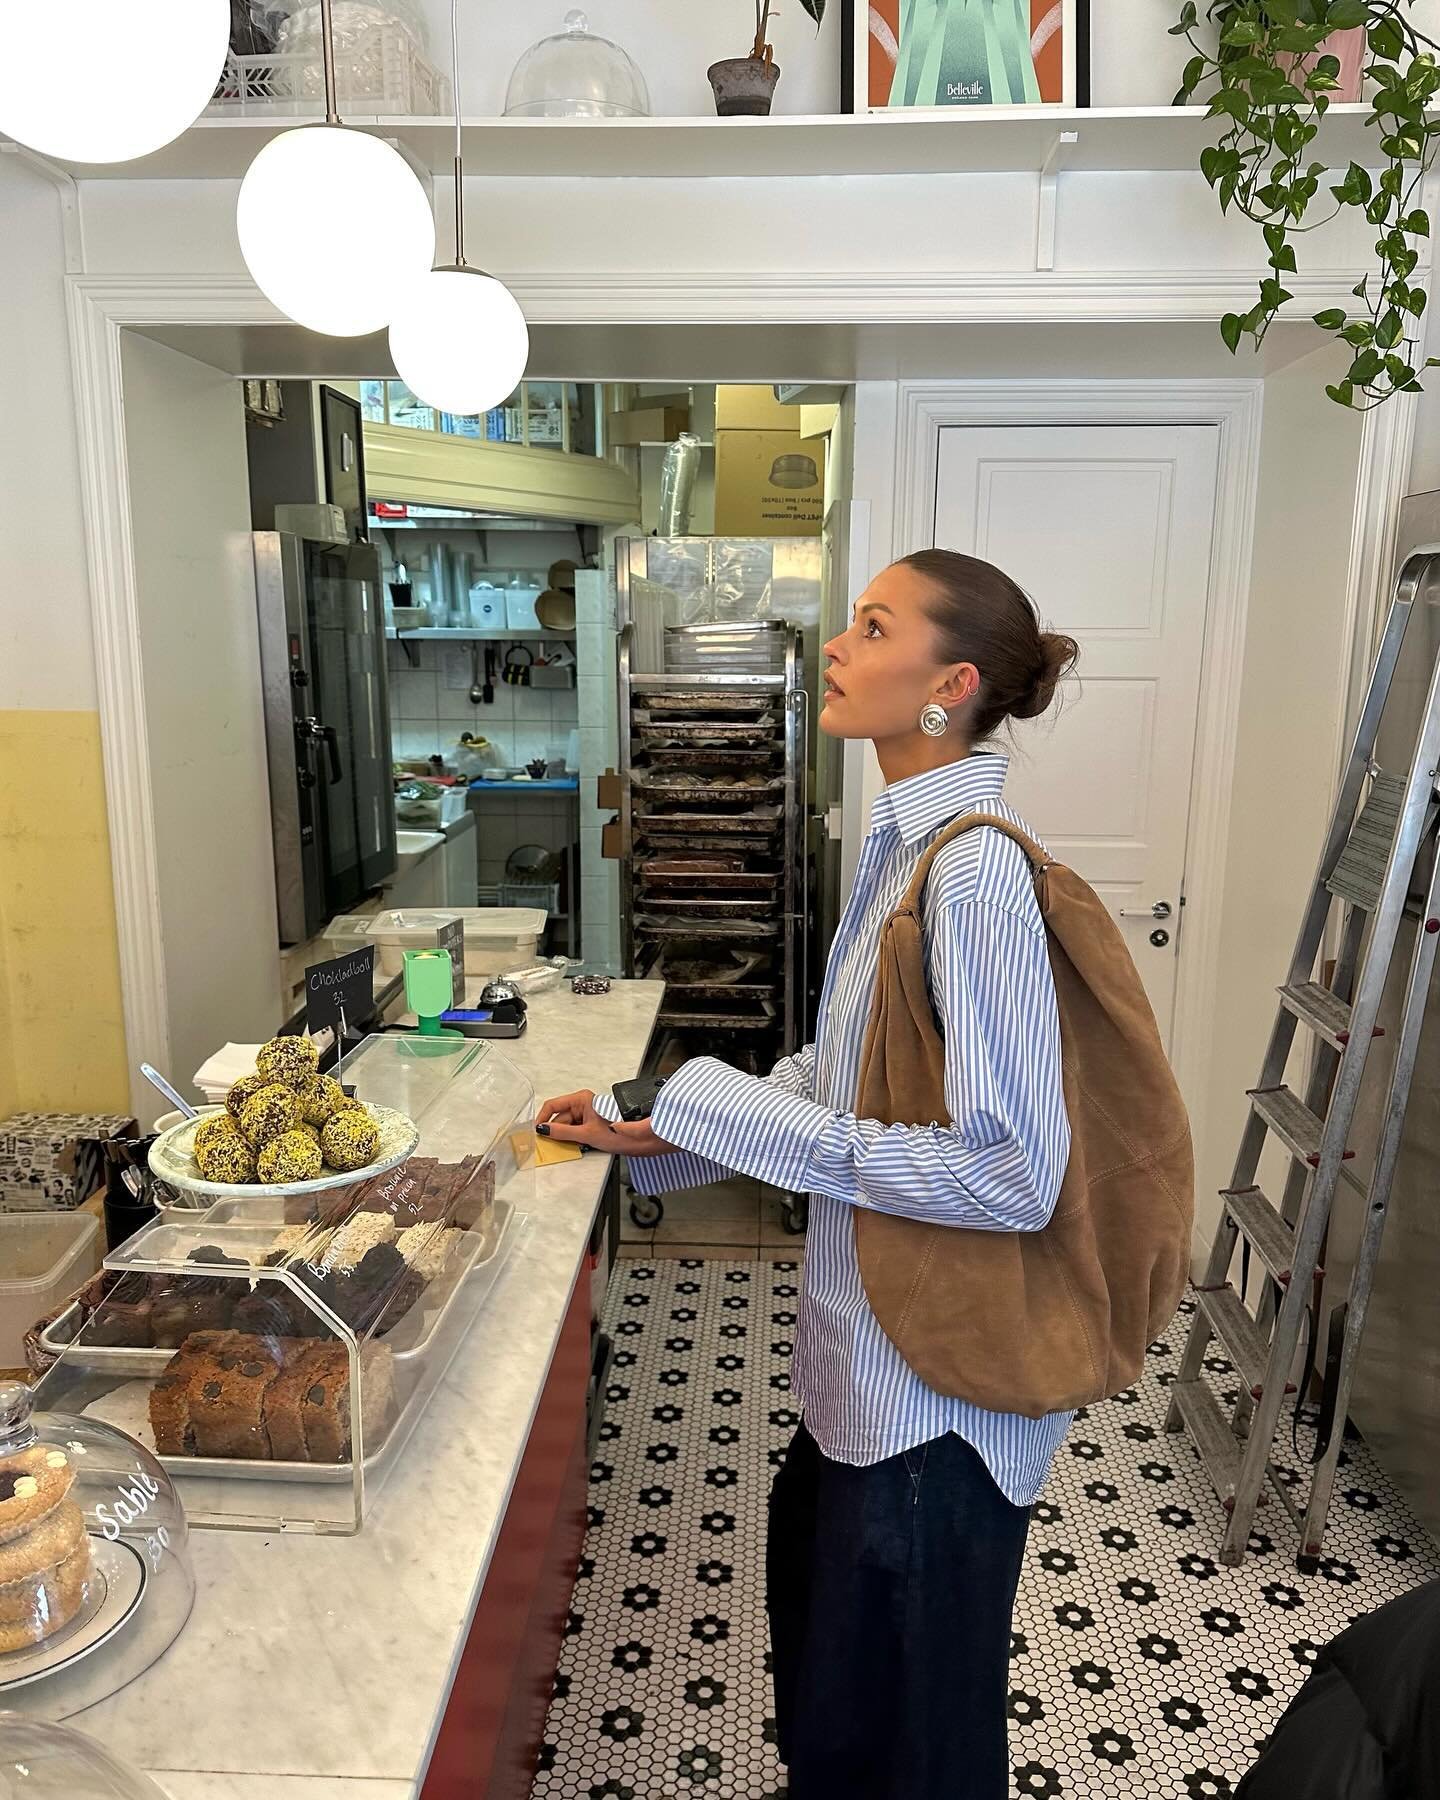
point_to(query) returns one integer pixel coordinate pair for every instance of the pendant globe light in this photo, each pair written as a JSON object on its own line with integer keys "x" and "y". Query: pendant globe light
{"x": 80, "y": 84}
{"x": 334, "y": 225}
{"x": 460, "y": 342}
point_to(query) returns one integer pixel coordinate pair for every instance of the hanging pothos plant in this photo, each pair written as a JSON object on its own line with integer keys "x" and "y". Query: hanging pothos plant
{"x": 1273, "y": 81}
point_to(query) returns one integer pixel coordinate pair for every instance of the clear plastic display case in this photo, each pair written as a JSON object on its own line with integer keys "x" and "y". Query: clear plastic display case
{"x": 95, "y": 1573}
{"x": 277, "y": 1350}
{"x": 53, "y": 1762}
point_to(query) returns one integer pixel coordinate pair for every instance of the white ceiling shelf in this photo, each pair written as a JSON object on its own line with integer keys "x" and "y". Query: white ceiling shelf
{"x": 464, "y": 633}
{"x": 963, "y": 141}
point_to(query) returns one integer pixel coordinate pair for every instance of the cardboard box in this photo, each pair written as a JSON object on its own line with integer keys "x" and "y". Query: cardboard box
{"x": 610, "y": 841}
{"x": 52, "y": 1161}
{"x": 650, "y": 425}
{"x": 607, "y": 791}
{"x": 769, "y": 484}
{"x": 753, "y": 409}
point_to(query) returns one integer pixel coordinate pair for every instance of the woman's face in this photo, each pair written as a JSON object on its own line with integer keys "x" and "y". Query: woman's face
{"x": 885, "y": 668}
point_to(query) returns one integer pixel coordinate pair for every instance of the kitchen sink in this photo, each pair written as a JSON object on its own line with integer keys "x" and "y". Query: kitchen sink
{"x": 410, "y": 845}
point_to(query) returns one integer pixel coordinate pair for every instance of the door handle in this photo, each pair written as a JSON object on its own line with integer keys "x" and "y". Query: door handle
{"x": 1161, "y": 909}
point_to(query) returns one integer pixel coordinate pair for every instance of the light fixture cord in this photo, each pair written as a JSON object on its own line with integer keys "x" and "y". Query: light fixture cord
{"x": 459, "y": 139}
{"x": 327, "y": 54}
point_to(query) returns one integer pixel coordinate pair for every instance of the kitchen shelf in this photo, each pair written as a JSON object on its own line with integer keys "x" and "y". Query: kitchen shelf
{"x": 462, "y": 633}
{"x": 957, "y": 140}
{"x": 557, "y": 785}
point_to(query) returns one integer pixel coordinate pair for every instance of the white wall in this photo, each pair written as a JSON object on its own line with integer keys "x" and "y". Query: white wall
{"x": 215, "y": 883}
{"x": 46, "y": 655}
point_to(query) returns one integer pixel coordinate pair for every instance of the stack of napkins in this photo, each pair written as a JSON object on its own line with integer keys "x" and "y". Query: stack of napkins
{"x": 218, "y": 1073}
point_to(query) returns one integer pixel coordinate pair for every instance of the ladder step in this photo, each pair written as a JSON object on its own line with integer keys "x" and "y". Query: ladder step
{"x": 1271, "y": 1237}
{"x": 1325, "y": 1013}
{"x": 1291, "y": 1120}
{"x": 1211, "y": 1435}
{"x": 1237, "y": 1331}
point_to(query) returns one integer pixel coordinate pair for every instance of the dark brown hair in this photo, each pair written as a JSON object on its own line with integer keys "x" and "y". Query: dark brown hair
{"x": 981, "y": 616}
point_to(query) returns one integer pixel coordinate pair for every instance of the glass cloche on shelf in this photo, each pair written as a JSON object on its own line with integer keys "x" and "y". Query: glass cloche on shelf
{"x": 95, "y": 1575}
{"x": 40, "y": 1761}
{"x": 577, "y": 75}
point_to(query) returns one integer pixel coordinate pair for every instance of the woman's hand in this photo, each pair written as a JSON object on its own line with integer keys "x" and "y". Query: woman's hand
{"x": 572, "y": 1119}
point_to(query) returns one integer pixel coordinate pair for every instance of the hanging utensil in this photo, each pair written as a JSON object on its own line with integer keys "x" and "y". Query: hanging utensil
{"x": 157, "y": 1080}
{"x": 488, "y": 696}
{"x": 477, "y": 693}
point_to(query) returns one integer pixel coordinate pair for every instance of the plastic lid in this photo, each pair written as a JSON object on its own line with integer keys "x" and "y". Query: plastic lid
{"x": 40, "y": 1761}
{"x": 96, "y": 1574}
{"x": 578, "y": 75}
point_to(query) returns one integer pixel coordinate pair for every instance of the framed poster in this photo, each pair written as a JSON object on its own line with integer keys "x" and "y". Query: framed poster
{"x": 931, "y": 55}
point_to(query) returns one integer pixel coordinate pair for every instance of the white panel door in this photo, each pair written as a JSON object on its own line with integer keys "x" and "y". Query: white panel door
{"x": 1108, "y": 529}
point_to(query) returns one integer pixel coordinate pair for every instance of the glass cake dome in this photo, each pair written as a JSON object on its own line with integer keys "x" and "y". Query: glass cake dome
{"x": 95, "y": 1573}
{"x": 39, "y": 1761}
{"x": 577, "y": 75}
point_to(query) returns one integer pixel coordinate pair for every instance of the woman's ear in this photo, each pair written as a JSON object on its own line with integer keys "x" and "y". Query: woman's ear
{"x": 960, "y": 685}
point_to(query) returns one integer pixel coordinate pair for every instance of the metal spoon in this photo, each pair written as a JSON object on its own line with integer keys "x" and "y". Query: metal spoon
{"x": 477, "y": 693}
{"x": 157, "y": 1080}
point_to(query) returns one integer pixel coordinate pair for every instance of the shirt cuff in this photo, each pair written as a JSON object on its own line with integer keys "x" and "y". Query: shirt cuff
{"x": 739, "y": 1121}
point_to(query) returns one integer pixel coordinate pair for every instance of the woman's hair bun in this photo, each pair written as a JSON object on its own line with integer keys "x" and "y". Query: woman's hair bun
{"x": 1058, "y": 655}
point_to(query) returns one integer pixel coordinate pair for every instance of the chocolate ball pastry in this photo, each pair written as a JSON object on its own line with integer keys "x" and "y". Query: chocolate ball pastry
{"x": 311, "y": 1131}
{"x": 323, "y": 1096}
{"x": 350, "y": 1139}
{"x": 293, "y": 1156}
{"x": 291, "y": 1060}
{"x": 269, "y": 1112}
{"x": 226, "y": 1157}
{"x": 241, "y": 1092}
{"x": 212, "y": 1128}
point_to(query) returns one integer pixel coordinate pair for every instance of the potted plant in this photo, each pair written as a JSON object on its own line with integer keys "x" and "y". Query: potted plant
{"x": 1275, "y": 72}
{"x": 746, "y": 84}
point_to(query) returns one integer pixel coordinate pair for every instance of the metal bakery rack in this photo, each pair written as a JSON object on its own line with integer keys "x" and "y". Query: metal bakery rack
{"x": 713, "y": 756}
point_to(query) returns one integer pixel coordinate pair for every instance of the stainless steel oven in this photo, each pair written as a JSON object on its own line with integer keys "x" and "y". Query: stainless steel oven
{"x": 327, "y": 725}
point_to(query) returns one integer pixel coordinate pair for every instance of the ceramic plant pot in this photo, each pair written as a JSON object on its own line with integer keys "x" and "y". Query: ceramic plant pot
{"x": 744, "y": 85}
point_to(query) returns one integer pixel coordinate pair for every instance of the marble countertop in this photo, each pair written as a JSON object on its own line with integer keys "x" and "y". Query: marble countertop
{"x": 317, "y": 1668}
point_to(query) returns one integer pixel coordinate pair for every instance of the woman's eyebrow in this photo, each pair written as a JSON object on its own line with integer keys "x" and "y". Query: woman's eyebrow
{"x": 875, "y": 606}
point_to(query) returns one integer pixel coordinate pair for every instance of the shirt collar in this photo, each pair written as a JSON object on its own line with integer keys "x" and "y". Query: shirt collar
{"x": 920, "y": 804}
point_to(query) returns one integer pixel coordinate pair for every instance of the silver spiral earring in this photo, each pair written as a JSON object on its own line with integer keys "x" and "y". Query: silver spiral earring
{"x": 934, "y": 720}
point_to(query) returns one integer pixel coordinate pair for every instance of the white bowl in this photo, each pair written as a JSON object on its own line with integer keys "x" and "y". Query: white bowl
{"x": 172, "y": 1159}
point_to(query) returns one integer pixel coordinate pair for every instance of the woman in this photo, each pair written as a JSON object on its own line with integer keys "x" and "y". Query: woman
{"x": 898, "y": 1522}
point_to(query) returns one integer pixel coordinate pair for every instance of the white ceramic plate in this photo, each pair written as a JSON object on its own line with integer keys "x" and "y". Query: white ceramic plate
{"x": 116, "y": 1587}
{"x": 172, "y": 1159}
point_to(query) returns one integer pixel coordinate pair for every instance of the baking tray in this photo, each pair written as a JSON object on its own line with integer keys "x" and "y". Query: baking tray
{"x": 718, "y": 1021}
{"x": 757, "y": 820}
{"x": 719, "y": 734}
{"x": 693, "y": 757}
{"x": 707, "y": 928}
{"x": 747, "y": 881}
{"x": 708, "y": 702}
{"x": 651, "y": 792}
{"x": 59, "y": 1336}
{"x": 476, "y": 1286}
{"x": 657, "y": 838}
{"x": 711, "y": 906}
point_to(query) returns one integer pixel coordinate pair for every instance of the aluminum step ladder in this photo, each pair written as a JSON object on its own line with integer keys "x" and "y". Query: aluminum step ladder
{"x": 1368, "y": 867}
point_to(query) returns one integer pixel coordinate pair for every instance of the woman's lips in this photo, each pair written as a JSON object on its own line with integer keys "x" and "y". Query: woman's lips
{"x": 833, "y": 690}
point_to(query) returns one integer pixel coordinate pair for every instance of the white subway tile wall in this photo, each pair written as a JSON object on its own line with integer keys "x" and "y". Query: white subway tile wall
{"x": 427, "y": 716}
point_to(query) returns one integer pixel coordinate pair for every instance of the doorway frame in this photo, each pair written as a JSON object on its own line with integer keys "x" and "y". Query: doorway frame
{"x": 890, "y": 447}
{"x": 904, "y": 433}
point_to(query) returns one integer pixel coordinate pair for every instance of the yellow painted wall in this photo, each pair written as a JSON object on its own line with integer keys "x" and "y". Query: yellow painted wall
{"x": 62, "y": 1035}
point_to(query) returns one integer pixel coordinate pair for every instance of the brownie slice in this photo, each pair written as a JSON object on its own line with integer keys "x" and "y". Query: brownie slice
{"x": 304, "y": 1363}
{"x": 170, "y": 1396}
{"x": 188, "y": 1304}
{"x": 121, "y": 1317}
{"x": 325, "y": 1408}
{"x": 227, "y": 1399}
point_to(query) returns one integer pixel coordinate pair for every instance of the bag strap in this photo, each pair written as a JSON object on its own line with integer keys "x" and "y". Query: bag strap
{"x": 1039, "y": 859}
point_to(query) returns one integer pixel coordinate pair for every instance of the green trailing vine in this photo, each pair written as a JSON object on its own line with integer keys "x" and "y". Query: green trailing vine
{"x": 1273, "y": 87}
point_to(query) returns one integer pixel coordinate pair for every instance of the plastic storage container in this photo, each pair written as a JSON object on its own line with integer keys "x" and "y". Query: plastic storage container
{"x": 276, "y": 1352}
{"x": 105, "y": 1588}
{"x": 44, "y": 1256}
{"x": 496, "y": 937}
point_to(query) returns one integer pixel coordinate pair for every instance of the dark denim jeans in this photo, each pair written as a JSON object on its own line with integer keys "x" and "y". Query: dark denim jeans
{"x": 890, "y": 1591}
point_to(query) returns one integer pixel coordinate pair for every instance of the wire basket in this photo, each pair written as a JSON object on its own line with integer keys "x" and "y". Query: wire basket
{"x": 383, "y": 75}
{"x": 545, "y": 895}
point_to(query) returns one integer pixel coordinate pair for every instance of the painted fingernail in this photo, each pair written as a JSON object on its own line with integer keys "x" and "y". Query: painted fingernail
{"x": 542, "y": 1131}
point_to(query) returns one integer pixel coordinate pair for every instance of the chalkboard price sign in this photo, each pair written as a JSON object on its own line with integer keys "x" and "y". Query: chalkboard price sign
{"x": 451, "y": 936}
{"x": 340, "y": 992}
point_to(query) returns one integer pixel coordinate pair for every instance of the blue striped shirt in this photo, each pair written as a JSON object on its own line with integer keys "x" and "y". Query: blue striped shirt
{"x": 997, "y": 1167}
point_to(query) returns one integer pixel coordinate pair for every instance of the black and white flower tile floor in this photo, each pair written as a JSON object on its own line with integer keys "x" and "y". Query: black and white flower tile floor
{"x": 1140, "y": 1665}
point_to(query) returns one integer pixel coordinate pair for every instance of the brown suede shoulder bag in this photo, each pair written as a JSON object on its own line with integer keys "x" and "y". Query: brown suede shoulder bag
{"x": 1035, "y": 1322}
